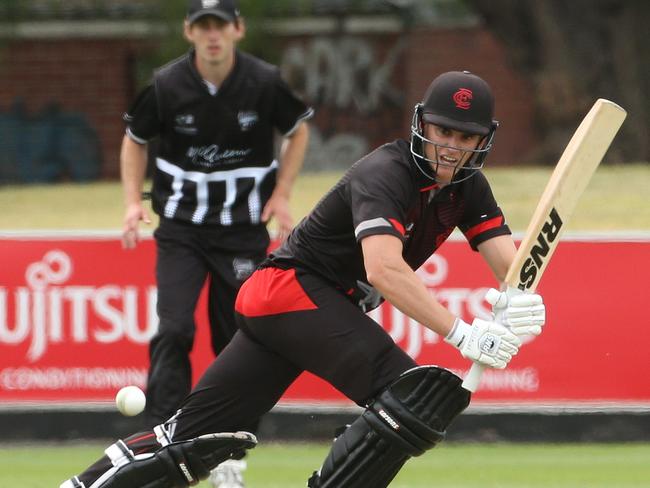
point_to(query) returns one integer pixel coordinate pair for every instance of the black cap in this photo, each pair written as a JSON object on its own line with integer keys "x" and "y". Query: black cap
{"x": 224, "y": 9}
{"x": 459, "y": 100}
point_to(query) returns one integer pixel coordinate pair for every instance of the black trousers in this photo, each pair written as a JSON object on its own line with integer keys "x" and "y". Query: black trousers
{"x": 187, "y": 256}
{"x": 290, "y": 321}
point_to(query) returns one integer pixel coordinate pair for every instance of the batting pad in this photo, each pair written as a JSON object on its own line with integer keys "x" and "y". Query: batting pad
{"x": 177, "y": 465}
{"x": 406, "y": 419}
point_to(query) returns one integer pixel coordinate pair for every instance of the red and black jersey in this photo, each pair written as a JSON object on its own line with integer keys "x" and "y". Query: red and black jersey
{"x": 215, "y": 160}
{"x": 384, "y": 193}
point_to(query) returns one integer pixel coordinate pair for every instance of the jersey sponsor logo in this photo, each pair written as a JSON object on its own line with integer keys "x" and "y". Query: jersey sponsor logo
{"x": 212, "y": 155}
{"x": 463, "y": 98}
{"x": 247, "y": 119}
{"x": 51, "y": 311}
{"x": 185, "y": 124}
{"x": 538, "y": 253}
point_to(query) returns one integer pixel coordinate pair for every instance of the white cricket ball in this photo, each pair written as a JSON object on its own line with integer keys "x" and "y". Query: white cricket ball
{"x": 130, "y": 401}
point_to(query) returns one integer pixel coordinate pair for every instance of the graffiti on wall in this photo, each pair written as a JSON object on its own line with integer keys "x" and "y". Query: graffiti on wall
{"x": 345, "y": 75}
{"x": 47, "y": 146}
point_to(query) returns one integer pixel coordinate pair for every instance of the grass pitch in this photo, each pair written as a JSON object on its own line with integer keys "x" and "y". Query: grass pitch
{"x": 615, "y": 200}
{"x": 453, "y": 465}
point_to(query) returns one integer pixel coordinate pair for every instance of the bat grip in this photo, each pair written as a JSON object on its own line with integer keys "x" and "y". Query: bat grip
{"x": 473, "y": 378}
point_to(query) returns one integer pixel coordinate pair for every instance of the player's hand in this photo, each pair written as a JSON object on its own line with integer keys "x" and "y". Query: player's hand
{"x": 524, "y": 313}
{"x": 487, "y": 343}
{"x": 278, "y": 207}
{"x": 130, "y": 234}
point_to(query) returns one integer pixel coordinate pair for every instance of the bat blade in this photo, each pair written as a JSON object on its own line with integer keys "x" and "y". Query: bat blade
{"x": 568, "y": 181}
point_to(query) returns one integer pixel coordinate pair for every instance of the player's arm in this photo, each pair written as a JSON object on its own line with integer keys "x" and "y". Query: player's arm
{"x": 488, "y": 343}
{"x": 397, "y": 282}
{"x": 143, "y": 123}
{"x": 498, "y": 253}
{"x": 292, "y": 154}
{"x": 488, "y": 234}
{"x": 133, "y": 166}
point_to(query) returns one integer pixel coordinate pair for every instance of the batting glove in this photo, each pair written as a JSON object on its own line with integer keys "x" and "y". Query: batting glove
{"x": 487, "y": 343}
{"x": 523, "y": 313}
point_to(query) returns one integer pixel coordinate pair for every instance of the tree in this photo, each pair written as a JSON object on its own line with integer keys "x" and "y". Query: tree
{"x": 573, "y": 52}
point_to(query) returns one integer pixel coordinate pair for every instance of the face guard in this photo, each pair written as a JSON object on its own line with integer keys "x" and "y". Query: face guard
{"x": 428, "y": 167}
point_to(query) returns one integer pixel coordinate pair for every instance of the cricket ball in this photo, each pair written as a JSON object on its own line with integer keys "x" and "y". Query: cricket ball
{"x": 130, "y": 401}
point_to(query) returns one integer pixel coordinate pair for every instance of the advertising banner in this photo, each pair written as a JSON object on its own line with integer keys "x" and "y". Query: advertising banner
{"x": 76, "y": 314}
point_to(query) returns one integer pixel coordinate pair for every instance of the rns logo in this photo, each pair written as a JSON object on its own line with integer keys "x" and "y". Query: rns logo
{"x": 489, "y": 344}
{"x": 538, "y": 253}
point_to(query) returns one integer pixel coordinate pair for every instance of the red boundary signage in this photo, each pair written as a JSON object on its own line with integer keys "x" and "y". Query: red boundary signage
{"x": 76, "y": 315}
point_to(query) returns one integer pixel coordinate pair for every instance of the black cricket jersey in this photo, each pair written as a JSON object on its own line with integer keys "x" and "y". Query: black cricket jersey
{"x": 385, "y": 193}
{"x": 215, "y": 161}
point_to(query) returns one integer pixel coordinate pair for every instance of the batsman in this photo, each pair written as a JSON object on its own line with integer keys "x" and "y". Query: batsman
{"x": 304, "y": 309}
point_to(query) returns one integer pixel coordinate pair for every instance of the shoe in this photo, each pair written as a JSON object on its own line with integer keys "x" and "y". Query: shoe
{"x": 228, "y": 474}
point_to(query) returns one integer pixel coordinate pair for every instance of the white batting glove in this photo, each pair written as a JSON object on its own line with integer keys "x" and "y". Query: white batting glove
{"x": 487, "y": 343}
{"x": 523, "y": 313}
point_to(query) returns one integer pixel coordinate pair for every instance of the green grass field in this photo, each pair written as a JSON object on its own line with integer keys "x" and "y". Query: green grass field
{"x": 448, "y": 466}
{"x": 615, "y": 200}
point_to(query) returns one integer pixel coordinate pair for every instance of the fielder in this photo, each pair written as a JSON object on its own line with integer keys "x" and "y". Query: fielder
{"x": 304, "y": 310}
{"x": 215, "y": 112}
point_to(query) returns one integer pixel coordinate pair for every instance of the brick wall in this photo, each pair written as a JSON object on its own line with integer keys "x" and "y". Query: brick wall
{"x": 410, "y": 60}
{"x": 89, "y": 78}
{"x": 478, "y": 51}
{"x": 364, "y": 89}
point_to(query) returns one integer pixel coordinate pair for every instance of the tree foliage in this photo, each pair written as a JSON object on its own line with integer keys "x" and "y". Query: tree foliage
{"x": 574, "y": 52}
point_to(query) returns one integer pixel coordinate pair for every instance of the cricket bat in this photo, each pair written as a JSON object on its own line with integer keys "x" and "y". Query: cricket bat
{"x": 558, "y": 201}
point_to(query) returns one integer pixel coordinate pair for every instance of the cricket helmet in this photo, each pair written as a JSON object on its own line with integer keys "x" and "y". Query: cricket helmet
{"x": 456, "y": 100}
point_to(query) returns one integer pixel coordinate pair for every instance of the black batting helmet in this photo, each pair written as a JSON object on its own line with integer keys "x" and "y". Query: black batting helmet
{"x": 456, "y": 100}
{"x": 459, "y": 100}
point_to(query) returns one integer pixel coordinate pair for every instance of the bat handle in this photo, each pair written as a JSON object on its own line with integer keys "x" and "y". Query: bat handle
{"x": 473, "y": 378}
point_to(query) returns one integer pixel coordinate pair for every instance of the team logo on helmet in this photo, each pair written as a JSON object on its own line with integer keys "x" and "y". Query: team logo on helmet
{"x": 210, "y": 3}
{"x": 463, "y": 98}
